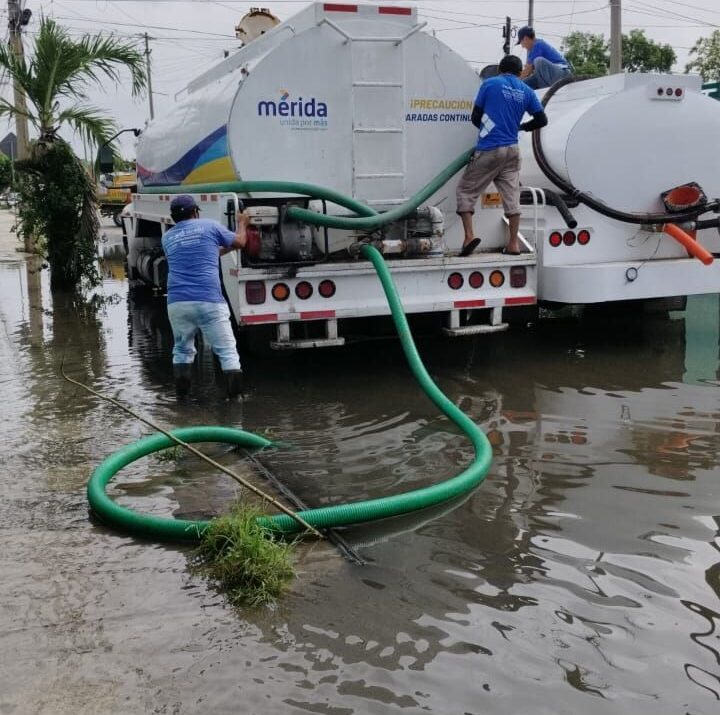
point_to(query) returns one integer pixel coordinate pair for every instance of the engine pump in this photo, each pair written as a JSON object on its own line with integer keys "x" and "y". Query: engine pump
{"x": 272, "y": 237}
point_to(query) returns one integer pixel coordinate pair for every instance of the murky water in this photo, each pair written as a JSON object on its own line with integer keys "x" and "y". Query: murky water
{"x": 581, "y": 577}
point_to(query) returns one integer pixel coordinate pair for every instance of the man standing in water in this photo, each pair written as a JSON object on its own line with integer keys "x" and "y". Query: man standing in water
{"x": 499, "y": 108}
{"x": 195, "y": 300}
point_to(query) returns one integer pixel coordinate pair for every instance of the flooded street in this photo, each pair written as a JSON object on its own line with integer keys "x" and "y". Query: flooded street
{"x": 583, "y": 576}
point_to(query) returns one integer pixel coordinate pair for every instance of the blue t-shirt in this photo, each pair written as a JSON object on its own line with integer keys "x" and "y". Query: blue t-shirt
{"x": 541, "y": 48}
{"x": 192, "y": 248}
{"x": 504, "y": 100}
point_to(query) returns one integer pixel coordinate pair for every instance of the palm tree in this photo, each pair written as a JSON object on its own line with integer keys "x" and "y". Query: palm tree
{"x": 55, "y": 81}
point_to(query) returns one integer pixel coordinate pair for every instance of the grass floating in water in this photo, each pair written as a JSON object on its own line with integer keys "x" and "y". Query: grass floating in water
{"x": 247, "y": 562}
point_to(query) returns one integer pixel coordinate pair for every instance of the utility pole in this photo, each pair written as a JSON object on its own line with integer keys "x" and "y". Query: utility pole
{"x": 16, "y": 20}
{"x": 615, "y": 37}
{"x": 507, "y": 32}
{"x": 531, "y": 12}
{"x": 149, "y": 79}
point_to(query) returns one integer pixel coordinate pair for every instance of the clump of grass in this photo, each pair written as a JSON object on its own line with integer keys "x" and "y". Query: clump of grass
{"x": 246, "y": 561}
{"x": 171, "y": 454}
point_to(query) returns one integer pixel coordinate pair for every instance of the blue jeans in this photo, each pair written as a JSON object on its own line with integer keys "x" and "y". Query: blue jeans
{"x": 545, "y": 73}
{"x": 213, "y": 320}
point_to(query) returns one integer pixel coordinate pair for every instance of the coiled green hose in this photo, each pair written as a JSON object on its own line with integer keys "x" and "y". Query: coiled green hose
{"x": 167, "y": 529}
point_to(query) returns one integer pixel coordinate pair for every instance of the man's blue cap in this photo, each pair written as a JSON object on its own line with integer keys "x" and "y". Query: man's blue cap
{"x": 524, "y": 32}
{"x": 184, "y": 202}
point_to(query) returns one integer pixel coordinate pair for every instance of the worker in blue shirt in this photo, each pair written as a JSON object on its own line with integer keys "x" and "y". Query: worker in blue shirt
{"x": 194, "y": 294}
{"x": 500, "y": 105}
{"x": 545, "y": 65}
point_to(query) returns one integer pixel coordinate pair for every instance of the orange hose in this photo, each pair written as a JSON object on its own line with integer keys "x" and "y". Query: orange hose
{"x": 690, "y": 244}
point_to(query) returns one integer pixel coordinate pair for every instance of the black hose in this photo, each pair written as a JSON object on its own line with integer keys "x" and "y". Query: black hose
{"x": 554, "y": 199}
{"x": 593, "y": 203}
{"x": 708, "y": 223}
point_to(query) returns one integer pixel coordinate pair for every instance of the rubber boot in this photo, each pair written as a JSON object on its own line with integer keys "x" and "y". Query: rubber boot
{"x": 233, "y": 383}
{"x": 182, "y": 372}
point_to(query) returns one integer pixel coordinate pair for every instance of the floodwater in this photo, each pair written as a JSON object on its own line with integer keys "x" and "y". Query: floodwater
{"x": 583, "y": 576}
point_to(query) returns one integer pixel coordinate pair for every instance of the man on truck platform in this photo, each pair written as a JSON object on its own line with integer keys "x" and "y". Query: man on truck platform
{"x": 545, "y": 65}
{"x": 500, "y": 105}
{"x": 194, "y": 295}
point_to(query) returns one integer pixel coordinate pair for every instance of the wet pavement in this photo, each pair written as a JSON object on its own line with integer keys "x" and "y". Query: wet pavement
{"x": 582, "y": 576}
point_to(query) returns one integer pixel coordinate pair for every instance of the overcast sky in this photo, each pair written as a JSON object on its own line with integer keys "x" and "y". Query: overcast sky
{"x": 189, "y": 37}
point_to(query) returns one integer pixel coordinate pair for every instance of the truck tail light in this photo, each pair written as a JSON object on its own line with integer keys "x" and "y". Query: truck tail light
{"x": 497, "y": 278}
{"x": 255, "y": 292}
{"x": 280, "y": 291}
{"x": 569, "y": 238}
{"x": 303, "y": 290}
{"x": 326, "y": 289}
{"x": 518, "y": 277}
{"x": 455, "y": 281}
{"x": 555, "y": 239}
{"x": 583, "y": 237}
{"x": 476, "y": 279}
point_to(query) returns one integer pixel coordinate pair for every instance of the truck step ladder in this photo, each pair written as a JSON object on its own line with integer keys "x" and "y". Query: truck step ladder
{"x": 378, "y": 97}
{"x": 454, "y": 329}
{"x": 285, "y": 342}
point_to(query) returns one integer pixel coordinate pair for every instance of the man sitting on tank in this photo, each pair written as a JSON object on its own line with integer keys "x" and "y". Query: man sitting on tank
{"x": 545, "y": 65}
{"x": 500, "y": 105}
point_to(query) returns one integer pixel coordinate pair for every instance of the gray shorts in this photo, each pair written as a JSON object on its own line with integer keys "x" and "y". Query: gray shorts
{"x": 500, "y": 166}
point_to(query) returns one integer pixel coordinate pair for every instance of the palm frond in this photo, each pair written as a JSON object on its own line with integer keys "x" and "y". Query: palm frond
{"x": 88, "y": 122}
{"x": 108, "y": 55}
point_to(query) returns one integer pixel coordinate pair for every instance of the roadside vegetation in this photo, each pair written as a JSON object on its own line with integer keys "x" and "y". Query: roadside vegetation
{"x": 244, "y": 560}
{"x": 57, "y": 195}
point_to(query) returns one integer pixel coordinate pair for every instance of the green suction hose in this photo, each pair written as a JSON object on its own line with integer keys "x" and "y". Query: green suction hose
{"x": 268, "y": 187}
{"x": 167, "y": 529}
{"x": 367, "y": 219}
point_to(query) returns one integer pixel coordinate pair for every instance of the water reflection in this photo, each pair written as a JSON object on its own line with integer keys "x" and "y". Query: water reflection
{"x": 583, "y": 573}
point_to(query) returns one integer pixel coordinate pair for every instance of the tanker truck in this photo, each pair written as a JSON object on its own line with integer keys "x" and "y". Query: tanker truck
{"x": 348, "y": 124}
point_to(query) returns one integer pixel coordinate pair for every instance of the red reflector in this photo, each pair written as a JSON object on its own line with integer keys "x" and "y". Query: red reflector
{"x": 262, "y": 318}
{"x": 518, "y": 277}
{"x": 333, "y": 7}
{"x": 476, "y": 279}
{"x": 326, "y": 289}
{"x": 469, "y": 303}
{"x": 255, "y": 292}
{"x": 395, "y": 11}
{"x": 303, "y": 290}
{"x": 317, "y": 314}
{"x": 568, "y": 238}
{"x": 678, "y": 92}
{"x": 555, "y": 239}
{"x": 455, "y": 281}
{"x": 520, "y": 300}
{"x": 583, "y": 237}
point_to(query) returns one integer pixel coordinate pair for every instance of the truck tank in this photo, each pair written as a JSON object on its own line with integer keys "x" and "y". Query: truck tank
{"x": 627, "y": 138}
{"x": 350, "y": 97}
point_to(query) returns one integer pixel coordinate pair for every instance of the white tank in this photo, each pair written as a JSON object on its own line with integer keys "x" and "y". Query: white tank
{"x": 354, "y": 98}
{"x": 358, "y": 99}
{"x": 626, "y": 138}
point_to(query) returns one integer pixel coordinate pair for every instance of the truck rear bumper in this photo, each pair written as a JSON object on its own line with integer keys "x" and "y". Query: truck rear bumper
{"x": 423, "y": 286}
{"x": 627, "y": 280}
